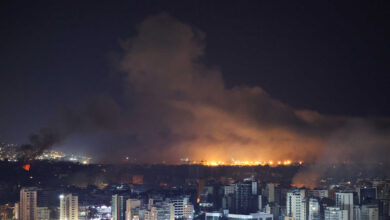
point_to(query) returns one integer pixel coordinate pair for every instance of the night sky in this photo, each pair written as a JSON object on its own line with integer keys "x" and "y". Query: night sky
{"x": 329, "y": 57}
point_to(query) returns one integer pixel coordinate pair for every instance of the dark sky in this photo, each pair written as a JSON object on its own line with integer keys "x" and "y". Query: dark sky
{"x": 327, "y": 56}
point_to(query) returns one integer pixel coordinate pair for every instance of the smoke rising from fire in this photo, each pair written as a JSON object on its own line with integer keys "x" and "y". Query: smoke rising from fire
{"x": 39, "y": 142}
{"x": 175, "y": 106}
{"x": 182, "y": 107}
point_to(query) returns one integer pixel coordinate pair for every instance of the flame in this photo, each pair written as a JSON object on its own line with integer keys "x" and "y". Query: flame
{"x": 26, "y": 167}
{"x": 214, "y": 163}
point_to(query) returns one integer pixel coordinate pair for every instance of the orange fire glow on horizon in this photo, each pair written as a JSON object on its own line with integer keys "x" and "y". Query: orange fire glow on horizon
{"x": 215, "y": 163}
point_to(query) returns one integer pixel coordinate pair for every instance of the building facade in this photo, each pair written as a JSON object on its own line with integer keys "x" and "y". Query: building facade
{"x": 69, "y": 207}
{"x": 28, "y": 203}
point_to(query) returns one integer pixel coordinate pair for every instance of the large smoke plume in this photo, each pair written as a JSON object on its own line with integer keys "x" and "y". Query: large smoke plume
{"x": 175, "y": 106}
{"x": 39, "y": 142}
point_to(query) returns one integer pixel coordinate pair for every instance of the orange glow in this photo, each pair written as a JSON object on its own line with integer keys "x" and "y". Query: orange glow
{"x": 215, "y": 163}
{"x": 26, "y": 167}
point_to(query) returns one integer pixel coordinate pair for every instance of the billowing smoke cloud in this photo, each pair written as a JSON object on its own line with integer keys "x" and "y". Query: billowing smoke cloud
{"x": 39, "y": 142}
{"x": 175, "y": 106}
{"x": 182, "y": 107}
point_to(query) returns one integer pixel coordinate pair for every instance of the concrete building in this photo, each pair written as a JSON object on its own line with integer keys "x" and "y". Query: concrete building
{"x": 16, "y": 211}
{"x": 69, "y": 207}
{"x": 252, "y": 216}
{"x": 117, "y": 207}
{"x": 43, "y": 213}
{"x": 161, "y": 211}
{"x": 28, "y": 203}
{"x": 296, "y": 204}
{"x": 242, "y": 197}
{"x": 270, "y": 192}
{"x": 131, "y": 205}
{"x": 313, "y": 209}
{"x": 344, "y": 200}
{"x": 335, "y": 213}
{"x": 369, "y": 212}
{"x": 188, "y": 211}
{"x": 229, "y": 189}
{"x": 318, "y": 193}
{"x": 179, "y": 204}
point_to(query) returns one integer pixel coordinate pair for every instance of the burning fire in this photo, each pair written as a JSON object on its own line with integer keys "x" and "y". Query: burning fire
{"x": 214, "y": 163}
{"x": 26, "y": 167}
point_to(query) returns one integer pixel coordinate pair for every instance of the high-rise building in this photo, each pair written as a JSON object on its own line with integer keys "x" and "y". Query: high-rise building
{"x": 188, "y": 211}
{"x": 43, "y": 213}
{"x": 296, "y": 204}
{"x": 131, "y": 204}
{"x": 369, "y": 212}
{"x": 318, "y": 193}
{"x": 270, "y": 192}
{"x": 161, "y": 211}
{"x": 335, "y": 213}
{"x": 253, "y": 184}
{"x": 344, "y": 200}
{"x": 367, "y": 195}
{"x": 252, "y": 216}
{"x": 313, "y": 209}
{"x": 260, "y": 202}
{"x": 179, "y": 204}
{"x": 28, "y": 203}
{"x": 228, "y": 216}
{"x": 356, "y": 212}
{"x": 242, "y": 197}
{"x": 117, "y": 208}
{"x": 229, "y": 189}
{"x": 69, "y": 207}
{"x": 16, "y": 211}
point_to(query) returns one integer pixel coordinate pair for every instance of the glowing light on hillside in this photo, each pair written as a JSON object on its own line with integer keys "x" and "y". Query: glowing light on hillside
{"x": 215, "y": 163}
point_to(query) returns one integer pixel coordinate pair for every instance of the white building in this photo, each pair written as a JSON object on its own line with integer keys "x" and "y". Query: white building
{"x": 161, "y": 211}
{"x": 117, "y": 207}
{"x": 260, "y": 202}
{"x": 188, "y": 211}
{"x": 313, "y": 209}
{"x": 270, "y": 192}
{"x": 252, "y": 216}
{"x": 179, "y": 204}
{"x": 16, "y": 211}
{"x": 69, "y": 207}
{"x": 335, "y": 213}
{"x": 344, "y": 200}
{"x": 369, "y": 212}
{"x": 296, "y": 204}
{"x": 318, "y": 193}
{"x": 43, "y": 213}
{"x": 229, "y": 189}
{"x": 28, "y": 203}
{"x": 213, "y": 216}
{"x": 131, "y": 205}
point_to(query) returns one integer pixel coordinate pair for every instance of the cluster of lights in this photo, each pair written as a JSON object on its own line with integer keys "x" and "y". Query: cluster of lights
{"x": 250, "y": 163}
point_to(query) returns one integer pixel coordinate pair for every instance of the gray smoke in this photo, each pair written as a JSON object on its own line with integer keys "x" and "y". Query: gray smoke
{"x": 39, "y": 142}
{"x": 175, "y": 106}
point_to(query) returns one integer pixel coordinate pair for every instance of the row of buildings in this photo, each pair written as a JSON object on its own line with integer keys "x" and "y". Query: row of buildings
{"x": 364, "y": 201}
{"x": 157, "y": 208}
{"x": 122, "y": 208}
{"x": 247, "y": 199}
{"x": 27, "y": 208}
